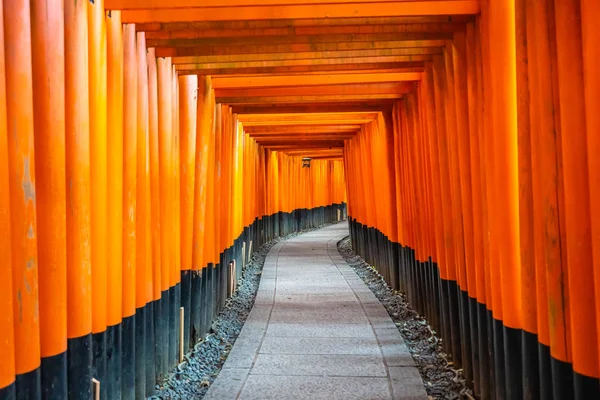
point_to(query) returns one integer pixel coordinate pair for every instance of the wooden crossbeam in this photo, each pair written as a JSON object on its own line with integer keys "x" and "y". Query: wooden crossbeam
{"x": 250, "y": 50}
{"x": 309, "y": 55}
{"x": 288, "y": 129}
{"x": 347, "y": 89}
{"x": 406, "y": 66}
{"x": 293, "y": 42}
{"x": 310, "y": 26}
{"x": 200, "y": 68}
{"x": 300, "y": 118}
{"x": 373, "y": 105}
{"x": 312, "y": 80}
{"x": 224, "y": 12}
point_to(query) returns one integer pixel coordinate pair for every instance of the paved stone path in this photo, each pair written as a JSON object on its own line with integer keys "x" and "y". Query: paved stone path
{"x": 316, "y": 332}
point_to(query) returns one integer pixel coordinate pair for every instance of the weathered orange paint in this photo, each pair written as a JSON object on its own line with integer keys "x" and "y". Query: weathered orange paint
{"x": 7, "y": 338}
{"x": 48, "y": 58}
{"x": 130, "y": 133}
{"x": 98, "y": 161}
{"x": 77, "y": 124}
{"x": 114, "y": 139}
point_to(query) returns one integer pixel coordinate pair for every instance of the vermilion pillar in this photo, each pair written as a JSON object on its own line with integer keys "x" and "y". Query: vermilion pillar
{"x": 7, "y": 339}
{"x": 114, "y": 222}
{"x": 577, "y": 214}
{"x": 128, "y": 328}
{"x": 590, "y": 11}
{"x": 79, "y": 273}
{"x": 98, "y": 159}
{"x": 49, "y": 112}
{"x": 143, "y": 256}
{"x": 155, "y": 212}
{"x": 187, "y": 129}
{"x": 165, "y": 159}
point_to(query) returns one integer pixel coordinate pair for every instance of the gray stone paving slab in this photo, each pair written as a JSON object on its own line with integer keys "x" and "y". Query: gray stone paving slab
{"x": 319, "y": 345}
{"x": 316, "y": 332}
{"x": 320, "y": 330}
{"x": 267, "y": 387}
{"x": 321, "y": 365}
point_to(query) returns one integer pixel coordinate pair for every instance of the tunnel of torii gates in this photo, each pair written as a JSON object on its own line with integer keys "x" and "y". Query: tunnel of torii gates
{"x": 146, "y": 145}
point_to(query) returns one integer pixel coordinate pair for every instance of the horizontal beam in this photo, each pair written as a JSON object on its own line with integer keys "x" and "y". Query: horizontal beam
{"x": 307, "y": 26}
{"x": 275, "y": 43}
{"x": 343, "y": 89}
{"x": 301, "y": 129}
{"x": 279, "y": 49}
{"x": 307, "y": 99}
{"x": 300, "y": 118}
{"x": 374, "y": 105}
{"x": 308, "y": 55}
{"x": 298, "y": 11}
{"x": 311, "y": 80}
{"x": 159, "y": 4}
{"x": 441, "y": 30}
{"x": 410, "y": 66}
{"x": 304, "y": 146}
{"x": 200, "y": 67}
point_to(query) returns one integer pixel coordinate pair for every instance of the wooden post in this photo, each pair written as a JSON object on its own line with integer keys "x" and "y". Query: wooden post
{"x": 243, "y": 255}
{"x": 181, "y": 330}
{"x": 96, "y": 389}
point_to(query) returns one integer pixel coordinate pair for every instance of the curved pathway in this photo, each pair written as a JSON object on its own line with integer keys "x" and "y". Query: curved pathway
{"x": 316, "y": 332}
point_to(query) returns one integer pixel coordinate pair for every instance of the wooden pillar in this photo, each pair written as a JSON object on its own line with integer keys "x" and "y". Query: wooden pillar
{"x": 187, "y": 129}
{"x": 49, "y": 112}
{"x": 143, "y": 269}
{"x": 128, "y": 327}
{"x": 114, "y": 203}
{"x": 7, "y": 332}
{"x": 577, "y": 214}
{"x": 590, "y": 11}
{"x": 79, "y": 279}
{"x": 165, "y": 158}
{"x": 98, "y": 170}
{"x": 156, "y": 347}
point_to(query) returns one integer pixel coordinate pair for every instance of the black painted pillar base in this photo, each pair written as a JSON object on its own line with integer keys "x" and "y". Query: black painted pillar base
{"x": 127, "y": 358}
{"x": 28, "y": 385}
{"x": 150, "y": 350}
{"x": 99, "y": 359}
{"x": 113, "y": 363}
{"x": 140, "y": 353}
{"x": 53, "y": 377}
{"x": 79, "y": 367}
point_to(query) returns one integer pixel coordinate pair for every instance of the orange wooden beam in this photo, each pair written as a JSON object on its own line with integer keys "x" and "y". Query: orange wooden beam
{"x": 306, "y": 80}
{"x": 309, "y": 55}
{"x": 314, "y": 146}
{"x": 280, "y": 49}
{"x": 404, "y": 66}
{"x": 286, "y": 129}
{"x": 308, "y": 99}
{"x": 224, "y": 45}
{"x": 187, "y": 4}
{"x": 247, "y": 11}
{"x": 200, "y": 68}
{"x": 348, "y": 89}
{"x": 383, "y": 105}
{"x": 312, "y": 26}
{"x": 277, "y": 119}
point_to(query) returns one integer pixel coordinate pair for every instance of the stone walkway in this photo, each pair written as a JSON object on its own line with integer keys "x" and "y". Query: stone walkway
{"x": 316, "y": 332}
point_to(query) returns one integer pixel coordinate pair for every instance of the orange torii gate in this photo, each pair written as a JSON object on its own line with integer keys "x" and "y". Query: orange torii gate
{"x": 145, "y": 144}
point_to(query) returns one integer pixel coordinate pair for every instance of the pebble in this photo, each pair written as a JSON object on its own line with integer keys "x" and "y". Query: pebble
{"x": 441, "y": 380}
{"x": 192, "y": 379}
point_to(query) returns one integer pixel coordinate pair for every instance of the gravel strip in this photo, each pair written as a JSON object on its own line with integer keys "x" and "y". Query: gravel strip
{"x": 192, "y": 378}
{"x": 440, "y": 379}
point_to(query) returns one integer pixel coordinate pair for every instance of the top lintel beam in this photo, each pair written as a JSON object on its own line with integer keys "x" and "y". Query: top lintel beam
{"x": 291, "y": 11}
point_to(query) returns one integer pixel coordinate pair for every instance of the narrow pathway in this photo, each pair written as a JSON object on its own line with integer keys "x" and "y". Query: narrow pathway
{"x": 316, "y": 332}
